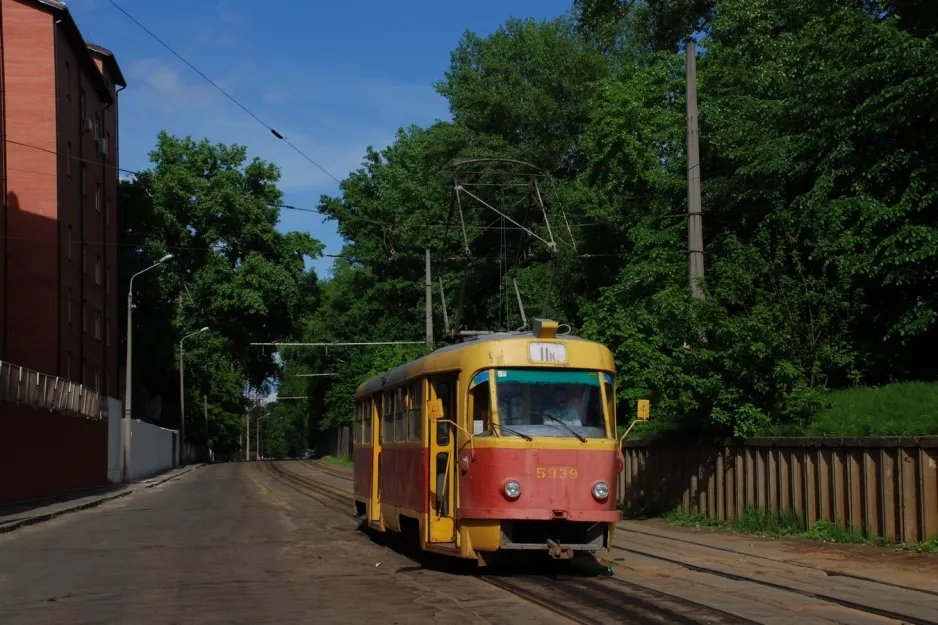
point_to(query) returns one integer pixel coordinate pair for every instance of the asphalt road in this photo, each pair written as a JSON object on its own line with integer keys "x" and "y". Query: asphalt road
{"x": 228, "y": 544}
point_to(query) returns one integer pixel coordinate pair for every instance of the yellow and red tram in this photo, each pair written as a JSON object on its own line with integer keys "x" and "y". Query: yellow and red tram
{"x": 502, "y": 443}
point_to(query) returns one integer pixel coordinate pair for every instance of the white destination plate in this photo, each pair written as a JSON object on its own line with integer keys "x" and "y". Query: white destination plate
{"x": 547, "y": 352}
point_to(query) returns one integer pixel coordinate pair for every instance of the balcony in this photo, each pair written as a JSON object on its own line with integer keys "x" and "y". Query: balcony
{"x": 25, "y": 387}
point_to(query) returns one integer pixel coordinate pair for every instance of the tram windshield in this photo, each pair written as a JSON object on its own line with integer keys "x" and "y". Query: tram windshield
{"x": 543, "y": 403}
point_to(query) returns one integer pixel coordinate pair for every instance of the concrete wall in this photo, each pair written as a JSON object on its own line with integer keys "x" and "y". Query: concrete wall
{"x": 46, "y": 454}
{"x": 153, "y": 449}
{"x": 111, "y": 408}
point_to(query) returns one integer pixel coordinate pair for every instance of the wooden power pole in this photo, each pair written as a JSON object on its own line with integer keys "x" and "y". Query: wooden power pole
{"x": 695, "y": 219}
{"x": 429, "y": 286}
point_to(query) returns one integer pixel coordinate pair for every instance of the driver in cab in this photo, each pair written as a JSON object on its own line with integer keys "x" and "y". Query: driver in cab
{"x": 561, "y": 411}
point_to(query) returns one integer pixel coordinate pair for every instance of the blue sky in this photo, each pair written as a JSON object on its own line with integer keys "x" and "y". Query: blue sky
{"x": 332, "y": 77}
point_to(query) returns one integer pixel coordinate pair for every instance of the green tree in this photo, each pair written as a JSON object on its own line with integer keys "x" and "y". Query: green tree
{"x": 232, "y": 271}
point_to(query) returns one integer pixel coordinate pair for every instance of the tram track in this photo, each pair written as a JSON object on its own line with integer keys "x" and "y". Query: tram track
{"x": 669, "y": 596}
{"x": 599, "y": 600}
{"x": 323, "y": 467}
{"x": 912, "y": 616}
{"x": 777, "y": 561}
{"x": 609, "y": 598}
{"x": 330, "y": 498}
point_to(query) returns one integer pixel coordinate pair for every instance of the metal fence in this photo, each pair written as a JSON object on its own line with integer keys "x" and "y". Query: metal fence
{"x": 879, "y": 486}
{"x": 30, "y": 388}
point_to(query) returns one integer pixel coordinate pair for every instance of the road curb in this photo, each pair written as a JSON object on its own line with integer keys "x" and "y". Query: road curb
{"x": 48, "y": 516}
{"x": 173, "y": 477}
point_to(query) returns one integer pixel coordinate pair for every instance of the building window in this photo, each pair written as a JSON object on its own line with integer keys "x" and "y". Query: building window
{"x": 107, "y": 210}
{"x": 107, "y": 330}
{"x": 97, "y": 379}
{"x": 68, "y": 158}
{"x": 97, "y": 125}
{"x": 97, "y": 324}
{"x": 68, "y": 80}
{"x": 70, "y": 243}
{"x": 107, "y": 279}
{"x": 97, "y": 269}
{"x": 97, "y": 198}
{"x": 69, "y": 314}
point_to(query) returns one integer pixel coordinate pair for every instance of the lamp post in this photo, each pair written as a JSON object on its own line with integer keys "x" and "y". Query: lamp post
{"x": 128, "y": 379}
{"x": 247, "y": 431}
{"x": 266, "y": 414}
{"x": 182, "y": 396}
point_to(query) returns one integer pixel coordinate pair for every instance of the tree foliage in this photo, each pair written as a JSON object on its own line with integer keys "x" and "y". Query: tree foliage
{"x": 818, "y": 141}
{"x": 232, "y": 272}
{"x": 818, "y": 147}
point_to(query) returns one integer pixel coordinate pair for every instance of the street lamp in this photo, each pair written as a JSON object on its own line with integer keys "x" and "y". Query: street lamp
{"x": 266, "y": 414}
{"x": 247, "y": 430}
{"x": 182, "y": 397}
{"x": 129, "y": 377}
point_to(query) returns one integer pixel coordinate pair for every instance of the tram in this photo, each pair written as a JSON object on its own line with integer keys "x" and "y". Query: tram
{"x": 500, "y": 444}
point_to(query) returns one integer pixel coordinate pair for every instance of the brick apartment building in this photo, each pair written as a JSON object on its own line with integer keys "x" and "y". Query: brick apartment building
{"x": 58, "y": 158}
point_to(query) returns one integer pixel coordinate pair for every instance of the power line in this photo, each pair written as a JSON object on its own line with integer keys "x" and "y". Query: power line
{"x": 223, "y": 92}
{"x": 292, "y": 207}
{"x": 120, "y": 169}
{"x": 337, "y": 344}
{"x": 74, "y": 158}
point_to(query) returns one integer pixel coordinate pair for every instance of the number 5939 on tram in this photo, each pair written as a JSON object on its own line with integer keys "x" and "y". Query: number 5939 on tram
{"x": 497, "y": 445}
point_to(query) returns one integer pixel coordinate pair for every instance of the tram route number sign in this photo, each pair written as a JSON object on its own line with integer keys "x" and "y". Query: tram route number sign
{"x": 547, "y": 352}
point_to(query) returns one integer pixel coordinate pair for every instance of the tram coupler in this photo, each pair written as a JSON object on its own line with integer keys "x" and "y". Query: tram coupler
{"x": 557, "y": 552}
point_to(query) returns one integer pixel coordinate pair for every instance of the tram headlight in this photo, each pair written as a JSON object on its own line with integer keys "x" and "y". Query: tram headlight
{"x": 600, "y": 490}
{"x": 512, "y": 489}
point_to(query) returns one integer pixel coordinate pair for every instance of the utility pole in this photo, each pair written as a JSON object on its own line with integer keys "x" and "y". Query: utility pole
{"x": 247, "y": 421}
{"x": 207, "y": 440}
{"x": 695, "y": 219}
{"x": 429, "y": 287}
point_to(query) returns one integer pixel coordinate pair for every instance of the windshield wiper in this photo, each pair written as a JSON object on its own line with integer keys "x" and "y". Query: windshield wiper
{"x": 572, "y": 431}
{"x": 509, "y": 430}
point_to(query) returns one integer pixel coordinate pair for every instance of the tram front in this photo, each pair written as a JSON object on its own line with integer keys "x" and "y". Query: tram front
{"x": 540, "y": 470}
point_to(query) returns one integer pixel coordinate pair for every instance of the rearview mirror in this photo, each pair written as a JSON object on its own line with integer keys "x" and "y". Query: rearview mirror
{"x": 644, "y": 408}
{"x": 435, "y": 407}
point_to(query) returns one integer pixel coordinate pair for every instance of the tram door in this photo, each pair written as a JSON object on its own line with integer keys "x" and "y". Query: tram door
{"x": 442, "y": 442}
{"x": 377, "y": 437}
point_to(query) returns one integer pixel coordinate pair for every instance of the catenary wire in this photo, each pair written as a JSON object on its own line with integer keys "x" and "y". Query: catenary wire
{"x": 222, "y": 91}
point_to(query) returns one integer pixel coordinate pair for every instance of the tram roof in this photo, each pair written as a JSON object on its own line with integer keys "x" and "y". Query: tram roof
{"x": 403, "y": 372}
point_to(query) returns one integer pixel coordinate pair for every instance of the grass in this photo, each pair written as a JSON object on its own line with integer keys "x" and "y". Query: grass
{"x": 903, "y": 409}
{"x": 342, "y": 462}
{"x": 789, "y": 525}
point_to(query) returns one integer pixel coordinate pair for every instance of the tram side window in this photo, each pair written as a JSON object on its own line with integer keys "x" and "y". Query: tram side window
{"x": 415, "y": 418}
{"x": 400, "y": 414}
{"x": 366, "y": 422}
{"x": 357, "y": 424}
{"x": 610, "y": 400}
{"x": 480, "y": 408}
{"x": 387, "y": 435}
{"x": 442, "y": 430}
